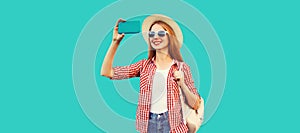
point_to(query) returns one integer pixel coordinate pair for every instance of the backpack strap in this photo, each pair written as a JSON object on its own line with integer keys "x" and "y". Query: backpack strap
{"x": 180, "y": 66}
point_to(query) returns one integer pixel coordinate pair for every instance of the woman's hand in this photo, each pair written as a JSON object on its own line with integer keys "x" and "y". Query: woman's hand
{"x": 179, "y": 77}
{"x": 117, "y": 38}
{"x": 192, "y": 99}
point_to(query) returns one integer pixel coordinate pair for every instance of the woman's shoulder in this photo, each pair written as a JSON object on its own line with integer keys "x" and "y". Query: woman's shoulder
{"x": 184, "y": 65}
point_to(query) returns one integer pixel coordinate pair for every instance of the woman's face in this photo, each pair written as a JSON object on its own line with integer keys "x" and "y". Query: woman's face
{"x": 158, "y": 42}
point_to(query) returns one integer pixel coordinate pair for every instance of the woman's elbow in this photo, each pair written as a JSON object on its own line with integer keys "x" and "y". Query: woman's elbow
{"x": 106, "y": 74}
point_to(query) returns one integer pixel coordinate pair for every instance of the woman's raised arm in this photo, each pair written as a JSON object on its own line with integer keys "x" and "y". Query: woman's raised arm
{"x": 106, "y": 69}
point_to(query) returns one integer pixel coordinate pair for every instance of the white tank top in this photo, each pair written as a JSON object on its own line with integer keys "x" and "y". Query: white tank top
{"x": 159, "y": 92}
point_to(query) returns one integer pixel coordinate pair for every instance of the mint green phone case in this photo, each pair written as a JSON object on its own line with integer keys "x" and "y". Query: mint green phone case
{"x": 129, "y": 27}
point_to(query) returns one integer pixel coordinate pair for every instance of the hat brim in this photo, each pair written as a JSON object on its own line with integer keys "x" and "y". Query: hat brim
{"x": 158, "y": 17}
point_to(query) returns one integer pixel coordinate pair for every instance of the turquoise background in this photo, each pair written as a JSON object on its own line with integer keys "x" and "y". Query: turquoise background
{"x": 259, "y": 38}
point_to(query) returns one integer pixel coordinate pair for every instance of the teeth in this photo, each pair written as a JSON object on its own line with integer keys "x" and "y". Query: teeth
{"x": 156, "y": 43}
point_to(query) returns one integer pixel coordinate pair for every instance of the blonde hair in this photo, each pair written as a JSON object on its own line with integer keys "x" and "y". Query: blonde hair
{"x": 173, "y": 46}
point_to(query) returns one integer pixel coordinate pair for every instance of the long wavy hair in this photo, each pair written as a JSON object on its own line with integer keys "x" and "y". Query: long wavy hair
{"x": 173, "y": 46}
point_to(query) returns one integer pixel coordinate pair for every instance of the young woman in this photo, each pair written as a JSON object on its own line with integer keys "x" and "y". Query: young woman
{"x": 159, "y": 105}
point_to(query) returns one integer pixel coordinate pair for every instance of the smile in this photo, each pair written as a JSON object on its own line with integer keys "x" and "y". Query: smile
{"x": 156, "y": 42}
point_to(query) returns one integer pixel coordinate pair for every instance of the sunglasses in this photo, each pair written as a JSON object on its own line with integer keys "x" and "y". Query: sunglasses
{"x": 160, "y": 33}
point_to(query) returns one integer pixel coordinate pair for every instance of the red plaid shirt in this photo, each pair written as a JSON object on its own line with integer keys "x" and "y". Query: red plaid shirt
{"x": 145, "y": 69}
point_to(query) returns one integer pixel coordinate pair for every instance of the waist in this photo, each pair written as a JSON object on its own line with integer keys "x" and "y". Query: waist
{"x": 157, "y": 116}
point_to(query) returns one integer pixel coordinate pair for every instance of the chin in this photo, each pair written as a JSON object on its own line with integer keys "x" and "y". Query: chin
{"x": 158, "y": 47}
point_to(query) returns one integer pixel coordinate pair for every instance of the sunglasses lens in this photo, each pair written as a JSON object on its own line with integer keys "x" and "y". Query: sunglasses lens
{"x": 161, "y": 33}
{"x": 151, "y": 34}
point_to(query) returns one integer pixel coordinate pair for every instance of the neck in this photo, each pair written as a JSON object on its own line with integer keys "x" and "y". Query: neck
{"x": 162, "y": 56}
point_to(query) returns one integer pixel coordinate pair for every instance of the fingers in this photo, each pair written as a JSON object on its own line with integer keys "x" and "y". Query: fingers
{"x": 116, "y": 36}
{"x": 116, "y": 28}
{"x": 121, "y": 36}
{"x": 117, "y": 24}
{"x": 177, "y": 75}
{"x": 120, "y": 20}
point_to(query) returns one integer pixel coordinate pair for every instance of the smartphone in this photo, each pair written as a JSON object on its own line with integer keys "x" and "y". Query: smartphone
{"x": 129, "y": 27}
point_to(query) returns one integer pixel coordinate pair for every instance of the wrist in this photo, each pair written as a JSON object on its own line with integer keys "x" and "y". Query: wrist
{"x": 183, "y": 85}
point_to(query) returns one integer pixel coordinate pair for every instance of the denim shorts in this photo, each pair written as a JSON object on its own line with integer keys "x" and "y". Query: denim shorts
{"x": 158, "y": 123}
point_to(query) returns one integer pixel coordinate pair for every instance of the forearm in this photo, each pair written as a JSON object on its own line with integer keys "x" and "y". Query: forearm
{"x": 106, "y": 69}
{"x": 192, "y": 99}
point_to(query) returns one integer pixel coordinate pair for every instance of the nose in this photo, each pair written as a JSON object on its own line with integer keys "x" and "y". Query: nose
{"x": 156, "y": 36}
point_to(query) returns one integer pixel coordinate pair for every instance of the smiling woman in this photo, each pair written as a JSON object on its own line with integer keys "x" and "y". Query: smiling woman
{"x": 162, "y": 29}
{"x": 159, "y": 106}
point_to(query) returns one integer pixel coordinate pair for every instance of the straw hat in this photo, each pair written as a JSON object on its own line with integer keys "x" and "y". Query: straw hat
{"x": 158, "y": 17}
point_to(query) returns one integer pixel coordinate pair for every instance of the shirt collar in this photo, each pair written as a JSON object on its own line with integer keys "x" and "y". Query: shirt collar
{"x": 174, "y": 61}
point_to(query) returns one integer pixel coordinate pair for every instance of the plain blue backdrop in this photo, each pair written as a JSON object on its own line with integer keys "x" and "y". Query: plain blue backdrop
{"x": 260, "y": 40}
